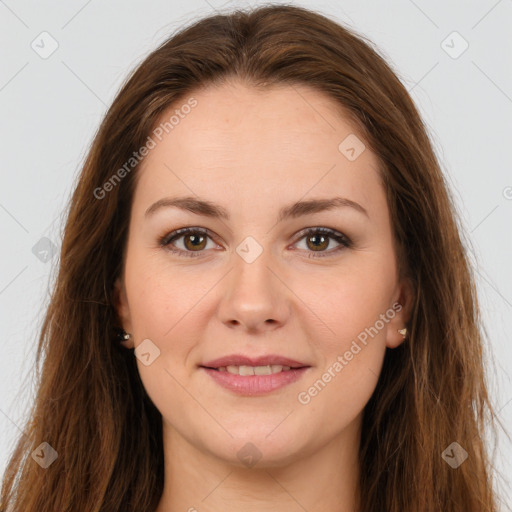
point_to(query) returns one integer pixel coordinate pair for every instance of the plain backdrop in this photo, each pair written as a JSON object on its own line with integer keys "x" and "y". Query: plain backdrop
{"x": 62, "y": 63}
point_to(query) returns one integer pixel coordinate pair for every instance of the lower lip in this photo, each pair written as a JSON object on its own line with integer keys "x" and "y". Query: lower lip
{"x": 254, "y": 385}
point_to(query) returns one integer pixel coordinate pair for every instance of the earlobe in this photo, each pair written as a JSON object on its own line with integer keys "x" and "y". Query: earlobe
{"x": 395, "y": 337}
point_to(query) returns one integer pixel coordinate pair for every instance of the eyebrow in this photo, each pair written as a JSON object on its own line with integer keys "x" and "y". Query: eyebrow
{"x": 210, "y": 209}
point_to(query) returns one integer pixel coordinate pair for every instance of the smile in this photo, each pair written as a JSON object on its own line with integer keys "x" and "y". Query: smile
{"x": 254, "y": 370}
{"x": 255, "y": 381}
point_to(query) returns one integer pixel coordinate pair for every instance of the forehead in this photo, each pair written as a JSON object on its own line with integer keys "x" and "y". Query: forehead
{"x": 235, "y": 115}
{"x": 238, "y": 140}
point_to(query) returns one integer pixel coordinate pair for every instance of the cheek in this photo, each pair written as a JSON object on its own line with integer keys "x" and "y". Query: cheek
{"x": 162, "y": 311}
{"x": 168, "y": 312}
{"x": 161, "y": 297}
{"x": 351, "y": 361}
{"x": 351, "y": 302}
{"x": 355, "y": 312}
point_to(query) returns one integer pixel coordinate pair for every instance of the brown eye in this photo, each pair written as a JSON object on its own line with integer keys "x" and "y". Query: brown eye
{"x": 319, "y": 239}
{"x": 318, "y": 242}
{"x": 196, "y": 241}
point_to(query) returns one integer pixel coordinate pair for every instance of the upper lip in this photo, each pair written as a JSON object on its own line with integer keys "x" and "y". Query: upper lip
{"x": 265, "y": 360}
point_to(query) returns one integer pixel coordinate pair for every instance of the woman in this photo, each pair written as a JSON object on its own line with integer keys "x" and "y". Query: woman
{"x": 262, "y": 216}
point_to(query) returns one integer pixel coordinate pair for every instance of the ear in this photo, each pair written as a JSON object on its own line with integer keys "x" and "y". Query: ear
{"x": 123, "y": 310}
{"x": 402, "y": 306}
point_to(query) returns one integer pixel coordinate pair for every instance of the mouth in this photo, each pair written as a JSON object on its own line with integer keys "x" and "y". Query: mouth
{"x": 245, "y": 370}
{"x": 254, "y": 376}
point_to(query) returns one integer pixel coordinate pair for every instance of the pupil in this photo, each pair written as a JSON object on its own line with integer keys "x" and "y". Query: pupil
{"x": 316, "y": 237}
{"x": 195, "y": 239}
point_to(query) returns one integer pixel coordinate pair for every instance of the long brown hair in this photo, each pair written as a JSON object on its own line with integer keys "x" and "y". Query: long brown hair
{"x": 91, "y": 406}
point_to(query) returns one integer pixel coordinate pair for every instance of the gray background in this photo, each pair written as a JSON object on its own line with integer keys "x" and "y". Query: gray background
{"x": 51, "y": 107}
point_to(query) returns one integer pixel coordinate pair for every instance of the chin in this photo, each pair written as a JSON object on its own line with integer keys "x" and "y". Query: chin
{"x": 256, "y": 448}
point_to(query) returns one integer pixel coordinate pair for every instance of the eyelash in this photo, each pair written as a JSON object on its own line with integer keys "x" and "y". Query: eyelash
{"x": 166, "y": 240}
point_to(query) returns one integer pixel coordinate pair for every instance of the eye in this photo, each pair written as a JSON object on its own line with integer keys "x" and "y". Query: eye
{"x": 319, "y": 239}
{"x": 195, "y": 241}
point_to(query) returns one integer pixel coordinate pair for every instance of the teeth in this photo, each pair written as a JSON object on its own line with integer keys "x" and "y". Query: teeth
{"x": 263, "y": 370}
{"x": 254, "y": 370}
{"x": 276, "y": 366}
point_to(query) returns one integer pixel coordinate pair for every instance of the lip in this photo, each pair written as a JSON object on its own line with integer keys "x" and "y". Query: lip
{"x": 254, "y": 385}
{"x": 241, "y": 360}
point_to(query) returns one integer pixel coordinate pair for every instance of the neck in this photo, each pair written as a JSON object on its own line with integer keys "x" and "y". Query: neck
{"x": 325, "y": 480}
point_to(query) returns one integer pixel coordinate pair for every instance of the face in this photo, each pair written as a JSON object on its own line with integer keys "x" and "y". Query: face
{"x": 260, "y": 278}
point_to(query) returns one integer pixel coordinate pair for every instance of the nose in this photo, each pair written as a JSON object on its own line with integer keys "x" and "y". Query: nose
{"x": 254, "y": 296}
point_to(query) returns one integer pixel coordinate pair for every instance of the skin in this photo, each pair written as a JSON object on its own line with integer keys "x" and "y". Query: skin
{"x": 254, "y": 152}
